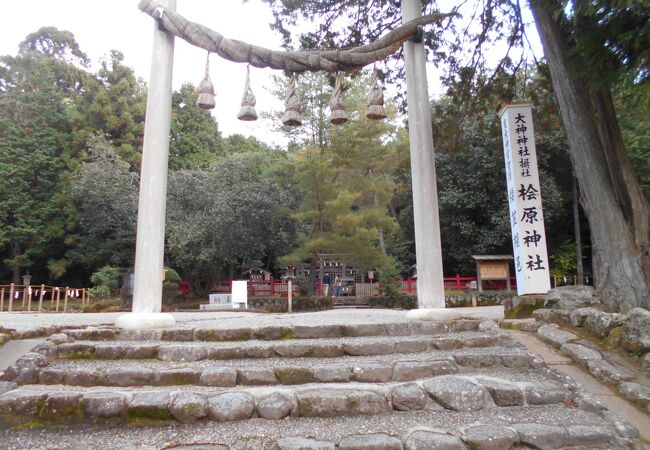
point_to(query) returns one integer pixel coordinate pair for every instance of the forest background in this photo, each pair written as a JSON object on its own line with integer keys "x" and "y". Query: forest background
{"x": 70, "y": 143}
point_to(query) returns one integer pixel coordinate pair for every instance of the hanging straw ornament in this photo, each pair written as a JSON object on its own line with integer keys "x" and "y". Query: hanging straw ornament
{"x": 206, "y": 89}
{"x": 375, "y": 108}
{"x": 292, "y": 105}
{"x": 338, "y": 116}
{"x": 247, "y": 111}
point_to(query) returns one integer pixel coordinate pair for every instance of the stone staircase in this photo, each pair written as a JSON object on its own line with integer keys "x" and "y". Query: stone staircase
{"x": 350, "y": 302}
{"x": 458, "y": 384}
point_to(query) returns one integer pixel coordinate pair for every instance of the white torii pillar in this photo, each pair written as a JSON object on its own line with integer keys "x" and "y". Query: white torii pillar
{"x": 428, "y": 253}
{"x": 150, "y": 240}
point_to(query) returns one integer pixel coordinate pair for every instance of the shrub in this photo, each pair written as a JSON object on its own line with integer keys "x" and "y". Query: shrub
{"x": 106, "y": 276}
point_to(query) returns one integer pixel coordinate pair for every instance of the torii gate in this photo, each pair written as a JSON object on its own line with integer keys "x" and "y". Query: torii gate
{"x": 147, "y": 295}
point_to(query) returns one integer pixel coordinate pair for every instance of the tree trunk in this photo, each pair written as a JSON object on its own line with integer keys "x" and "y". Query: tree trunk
{"x": 580, "y": 275}
{"x": 615, "y": 214}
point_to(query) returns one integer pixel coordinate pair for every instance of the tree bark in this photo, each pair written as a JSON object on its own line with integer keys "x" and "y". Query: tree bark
{"x": 617, "y": 217}
{"x": 580, "y": 275}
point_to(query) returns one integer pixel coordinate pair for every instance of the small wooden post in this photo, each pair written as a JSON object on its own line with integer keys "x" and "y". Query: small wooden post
{"x": 29, "y": 299}
{"x": 478, "y": 276}
{"x": 458, "y": 286}
{"x": 65, "y": 300}
{"x": 40, "y": 298}
{"x": 11, "y": 297}
{"x": 24, "y": 296}
{"x": 289, "y": 295}
{"x": 2, "y": 299}
{"x": 58, "y": 298}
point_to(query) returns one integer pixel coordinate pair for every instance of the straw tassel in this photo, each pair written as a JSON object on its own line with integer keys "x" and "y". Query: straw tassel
{"x": 338, "y": 116}
{"x": 247, "y": 111}
{"x": 206, "y": 89}
{"x": 293, "y": 106}
{"x": 375, "y": 108}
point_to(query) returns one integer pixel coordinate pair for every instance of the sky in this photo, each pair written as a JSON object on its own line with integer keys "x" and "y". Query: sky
{"x": 100, "y": 27}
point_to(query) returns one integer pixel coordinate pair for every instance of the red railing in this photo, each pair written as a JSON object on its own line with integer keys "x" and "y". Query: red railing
{"x": 270, "y": 288}
{"x": 259, "y": 288}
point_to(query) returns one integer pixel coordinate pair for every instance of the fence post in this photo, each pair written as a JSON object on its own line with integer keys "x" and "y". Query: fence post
{"x": 289, "y": 295}
{"x": 40, "y": 298}
{"x": 24, "y": 296}
{"x": 458, "y": 287}
{"x": 65, "y": 300}
{"x": 2, "y": 299}
{"x": 29, "y": 298}
{"x": 58, "y": 298}
{"x": 11, "y": 298}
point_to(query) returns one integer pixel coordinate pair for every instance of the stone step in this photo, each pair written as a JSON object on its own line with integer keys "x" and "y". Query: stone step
{"x": 311, "y": 348}
{"x": 456, "y": 393}
{"x": 546, "y": 426}
{"x": 274, "y": 371}
{"x": 279, "y": 332}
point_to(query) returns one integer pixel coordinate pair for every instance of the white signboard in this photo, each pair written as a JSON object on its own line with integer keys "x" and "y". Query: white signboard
{"x": 240, "y": 293}
{"x": 525, "y": 200}
{"x": 220, "y": 299}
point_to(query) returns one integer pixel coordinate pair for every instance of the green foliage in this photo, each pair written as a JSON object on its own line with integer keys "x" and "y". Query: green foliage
{"x": 107, "y": 276}
{"x": 100, "y": 292}
{"x": 231, "y": 214}
{"x": 345, "y": 178}
{"x": 105, "y": 193}
{"x": 113, "y": 104}
{"x": 564, "y": 260}
{"x": 35, "y": 140}
{"x": 632, "y": 105}
{"x": 195, "y": 141}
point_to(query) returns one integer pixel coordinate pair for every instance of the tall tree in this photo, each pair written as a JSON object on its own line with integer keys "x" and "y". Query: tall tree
{"x": 35, "y": 143}
{"x": 581, "y": 49}
{"x": 195, "y": 139}
{"x": 105, "y": 193}
{"x": 113, "y": 103}
{"x": 227, "y": 216}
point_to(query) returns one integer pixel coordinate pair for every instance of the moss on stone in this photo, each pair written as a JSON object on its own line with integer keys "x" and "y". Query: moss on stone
{"x": 149, "y": 416}
{"x": 294, "y": 376}
{"x": 614, "y": 338}
{"x": 510, "y": 325}
{"x": 287, "y": 335}
{"x": 137, "y": 421}
{"x": 522, "y": 311}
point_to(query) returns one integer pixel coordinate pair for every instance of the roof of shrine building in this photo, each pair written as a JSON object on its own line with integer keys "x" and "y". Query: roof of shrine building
{"x": 491, "y": 257}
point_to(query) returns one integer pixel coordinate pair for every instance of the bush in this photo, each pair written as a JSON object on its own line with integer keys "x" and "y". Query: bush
{"x": 99, "y": 292}
{"x": 106, "y": 276}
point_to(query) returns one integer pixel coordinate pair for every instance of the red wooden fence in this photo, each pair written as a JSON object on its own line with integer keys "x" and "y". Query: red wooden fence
{"x": 270, "y": 288}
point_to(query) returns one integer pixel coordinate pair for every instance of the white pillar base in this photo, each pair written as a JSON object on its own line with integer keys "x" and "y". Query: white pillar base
{"x": 142, "y": 321}
{"x": 434, "y": 314}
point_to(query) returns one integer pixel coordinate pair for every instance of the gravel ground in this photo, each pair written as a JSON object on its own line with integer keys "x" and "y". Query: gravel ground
{"x": 238, "y": 319}
{"x": 333, "y": 429}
